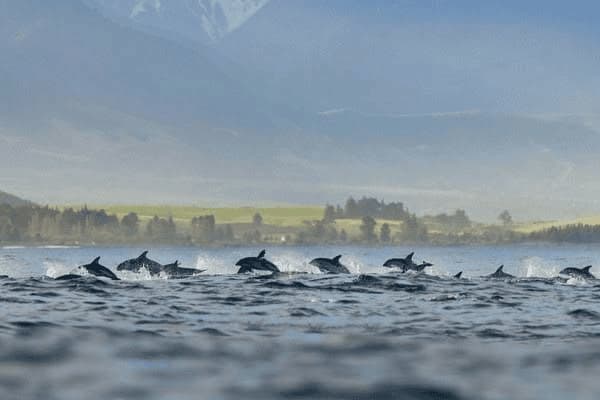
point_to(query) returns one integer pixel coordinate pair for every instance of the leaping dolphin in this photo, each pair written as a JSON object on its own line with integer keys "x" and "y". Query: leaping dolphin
{"x": 406, "y": 264}
{"x": 401, "y": 263}
{"x": 175, "y": 271}
{"x": 139, "y": 263}
{"x": 330, "y": 265}
{"x": 258, "y": 263}
{"x": 93, "y": 268}
{"x": 583, "y": 273}
{"x": 500, "y": 274}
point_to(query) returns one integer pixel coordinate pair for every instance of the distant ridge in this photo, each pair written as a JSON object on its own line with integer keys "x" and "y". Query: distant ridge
{"x": 11, "y": 200}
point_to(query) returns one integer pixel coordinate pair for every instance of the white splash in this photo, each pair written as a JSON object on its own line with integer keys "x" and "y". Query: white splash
{"x": 54, "y": 269}
{"x": 536, "y": 267}
{"x": 214, "y": 265}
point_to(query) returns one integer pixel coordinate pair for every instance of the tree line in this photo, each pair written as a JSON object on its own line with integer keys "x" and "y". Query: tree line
{"x": 37, "y": 224}
{"x": 392, "y": 224}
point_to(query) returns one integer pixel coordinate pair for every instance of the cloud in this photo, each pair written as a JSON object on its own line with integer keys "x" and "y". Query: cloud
{"x": 140, "y": 7}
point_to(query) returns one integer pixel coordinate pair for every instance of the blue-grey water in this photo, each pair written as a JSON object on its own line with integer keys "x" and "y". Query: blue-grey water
{"x": 374, "y": 334}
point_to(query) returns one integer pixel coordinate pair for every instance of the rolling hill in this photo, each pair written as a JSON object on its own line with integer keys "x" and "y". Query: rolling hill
{"x": 11, "y": 200}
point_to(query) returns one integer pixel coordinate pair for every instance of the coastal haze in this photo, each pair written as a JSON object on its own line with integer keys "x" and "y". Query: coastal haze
{"x": 299, "y": 199}
{"x": 438, "y": 105}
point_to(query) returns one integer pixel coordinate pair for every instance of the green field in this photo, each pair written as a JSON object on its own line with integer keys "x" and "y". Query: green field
{"x": 288, "y": 216}
{"x": 539, "y": 225}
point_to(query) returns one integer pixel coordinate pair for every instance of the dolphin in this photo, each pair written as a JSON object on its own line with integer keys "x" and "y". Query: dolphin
{"x": 420, "y": 267}
{"x": 458, "y": 276}
{"x": 142, "y": 262}
{"x": 175, "y": 271}
{"x": 406, "y": 264}
{"x": 258, "y": 263}
{"x": 500, "y": 274}
{"x": 330, "y": 265}
{"x": 578, "y": 272}
{"x": 401, "y": 263}
{"x": 93, "y": 268}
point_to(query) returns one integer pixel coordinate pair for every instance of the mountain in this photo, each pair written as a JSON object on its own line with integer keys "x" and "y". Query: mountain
{"x": 198, "y": 20}
{"x": 6, "y": 198}
{"x": 296, "y": 102}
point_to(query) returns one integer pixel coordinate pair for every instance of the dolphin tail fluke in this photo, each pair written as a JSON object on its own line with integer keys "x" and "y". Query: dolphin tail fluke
{"x": 337, "y": 258}
{"x": 587, "y": 269}
{"x": 457, "y": 276}
{"x": 262, "y": 254}
{"x": 410, "y": 256}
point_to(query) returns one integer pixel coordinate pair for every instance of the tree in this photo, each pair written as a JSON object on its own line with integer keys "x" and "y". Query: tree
{"x": 257, "y": 219}
{"x": 385, "y": 234}
{"x": 130, "y": 224}
{"x": 505, "y": 218}
{"x": 351, "y": 210}
{"x": 329, "y": 214}
{"x": 204, "y": 228}
{"x": 413, "y": 230}
{"x": 367, "y": 229}
{"x": 343, "y": 236}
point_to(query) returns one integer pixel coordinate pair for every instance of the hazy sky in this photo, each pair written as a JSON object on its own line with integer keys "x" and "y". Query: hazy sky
{"x": 441, "y": 104}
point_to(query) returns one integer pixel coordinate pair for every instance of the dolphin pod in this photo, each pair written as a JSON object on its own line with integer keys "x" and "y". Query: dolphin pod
{"x": 155, "y": 268}
{"x": 261, "y": 263}
{"x": 173, "y": 271}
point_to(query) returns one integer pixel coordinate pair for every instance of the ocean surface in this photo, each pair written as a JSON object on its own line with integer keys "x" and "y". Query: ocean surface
{"x": 374, "y": 334}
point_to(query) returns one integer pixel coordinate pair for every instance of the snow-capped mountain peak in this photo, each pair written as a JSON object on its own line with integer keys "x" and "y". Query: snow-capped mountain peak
{"x": 196, "y": 19}
{"x": 220, "y": 17}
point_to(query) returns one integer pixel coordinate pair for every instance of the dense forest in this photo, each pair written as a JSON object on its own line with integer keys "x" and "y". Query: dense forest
{"x": 364, "y": 221}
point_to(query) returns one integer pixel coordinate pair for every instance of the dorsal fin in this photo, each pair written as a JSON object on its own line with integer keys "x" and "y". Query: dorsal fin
{"x": 457, "y": 276}
{"x": 143, "y": 255}
{"x": 96, "y": 260}
{"x": 410, "y": 256}
{"x": 337, "y": 258}
{"x": 262, "y": 254}
{"x": 500, "y": 269}
{"x": 586, "y": 269}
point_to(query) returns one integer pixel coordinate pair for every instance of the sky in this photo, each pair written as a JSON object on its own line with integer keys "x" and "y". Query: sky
{"x": 440, "y": 104}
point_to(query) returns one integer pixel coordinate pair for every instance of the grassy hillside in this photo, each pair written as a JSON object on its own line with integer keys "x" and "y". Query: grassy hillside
{"x": 277, "y": 221}
{"x": 6, "y": 198}
{"x": 529, "y": 227}
{"x": 279, "y": 216}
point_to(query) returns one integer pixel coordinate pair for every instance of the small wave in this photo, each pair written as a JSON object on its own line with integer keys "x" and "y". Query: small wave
{"x": 305, "y": 312}
{"x": 573, "y": 281}
{"x": 58, "y": 247}
{"x": 582, "y": 313}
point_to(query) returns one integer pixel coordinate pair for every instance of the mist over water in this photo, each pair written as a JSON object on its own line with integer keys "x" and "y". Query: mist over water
{"x": 301, "y": 334}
